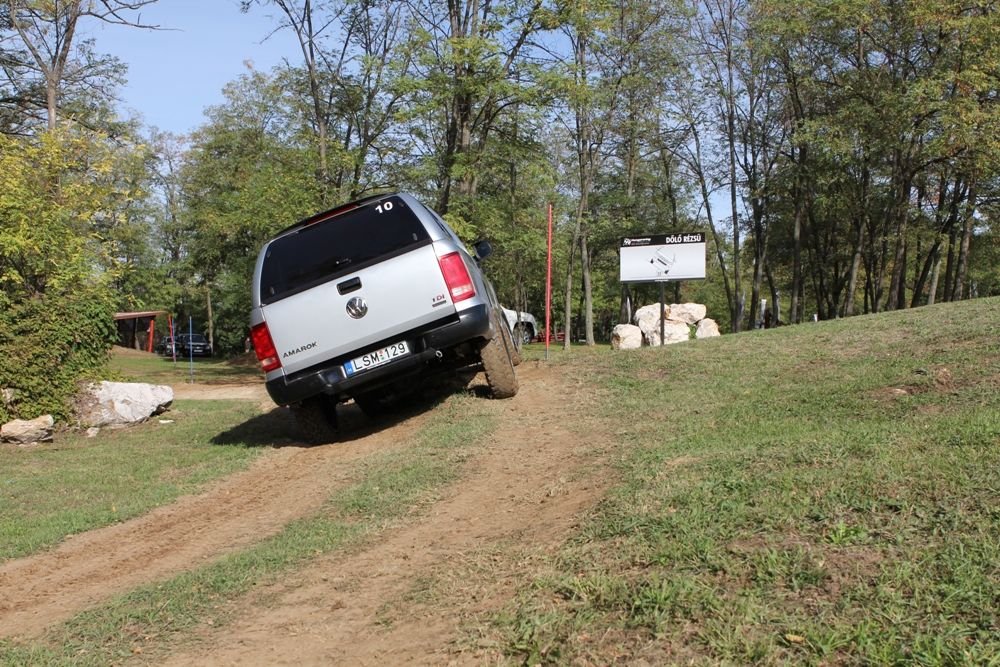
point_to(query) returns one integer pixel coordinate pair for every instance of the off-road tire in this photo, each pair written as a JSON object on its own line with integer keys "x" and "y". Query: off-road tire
{"x": 513, "y": 347}
{"x": 498, "y": 365}
{"x": 316, "y": 418}
{"x": 523, "y": 334}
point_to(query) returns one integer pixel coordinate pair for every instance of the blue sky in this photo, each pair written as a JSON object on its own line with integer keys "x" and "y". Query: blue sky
{"x": 175, "y": 73}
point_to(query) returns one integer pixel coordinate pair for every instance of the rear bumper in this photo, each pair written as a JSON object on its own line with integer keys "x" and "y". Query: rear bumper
{"x": 425, "y": 344}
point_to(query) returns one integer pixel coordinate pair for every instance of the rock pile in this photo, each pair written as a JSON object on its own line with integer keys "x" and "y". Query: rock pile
{"x": 112, "y": 404}
{"x": 119, "y": 404}
{"x": 27, "y": 431}
{"x": 680, "y": 320}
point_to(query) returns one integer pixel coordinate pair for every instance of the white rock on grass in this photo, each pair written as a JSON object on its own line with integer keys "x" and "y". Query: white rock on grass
{"x": 626, "y": 337}
{"x": 28, "y": 431}
{"x": 648, "y": 317}
{"x": 691, "y": 313}
{"x": 121, "y": 403}
{"x": 673, "y": 332}
{"x": 707, "y": 328}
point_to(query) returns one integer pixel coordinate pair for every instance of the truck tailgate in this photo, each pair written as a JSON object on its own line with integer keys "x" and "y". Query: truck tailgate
{"x": 400, "y": 294}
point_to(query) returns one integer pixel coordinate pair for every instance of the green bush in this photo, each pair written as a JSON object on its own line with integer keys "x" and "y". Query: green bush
{"x": 56, "y": 310}
{"x": 49, "y": 344}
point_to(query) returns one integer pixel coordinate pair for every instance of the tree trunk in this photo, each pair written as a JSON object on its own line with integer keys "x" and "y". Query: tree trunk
{"x": 852, "y": 279}
{"x": 775, "y": 296}
{"x": 588, "y": 291}
{"x": 568, "y": 302}
{"x": 949, "y": 271}
{"x": 51, "y": 58}
{"x": 795, "y": 314}
{"x": 211, "y": 317}
{"x": 706, "y": 200}
{"x": 862, "y": 221}
{"x": 963, "y": 252}
{"x": 935, "y": 272}
{"x": 625, "y": 307}
{"x": 900, "y": 220}
{"x": 943, "y": 222}
{"x": 759, "y": 259}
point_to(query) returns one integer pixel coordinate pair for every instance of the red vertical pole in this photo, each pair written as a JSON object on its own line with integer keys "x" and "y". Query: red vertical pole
{"x": 152, "y": 333}
{"x": 173, "y": 343}
{"x": 548, "y": 290}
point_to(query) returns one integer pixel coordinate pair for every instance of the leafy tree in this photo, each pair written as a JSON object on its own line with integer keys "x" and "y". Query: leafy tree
{"x": 352, "y": 55}
{"x": 469, "y": 68}
{"x": 247, "y": 174}
{"x": 45, "y": 55}
{"x": 56, "y": 322}
{"x": 892, "y": 109}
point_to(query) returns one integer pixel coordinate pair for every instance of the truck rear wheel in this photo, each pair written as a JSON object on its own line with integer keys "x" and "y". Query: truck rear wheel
{"x": 317, "y": 419}
{"x": 524, "y": 333}
{"x": 498, "y": 365}
{"x": 513, "y": 347}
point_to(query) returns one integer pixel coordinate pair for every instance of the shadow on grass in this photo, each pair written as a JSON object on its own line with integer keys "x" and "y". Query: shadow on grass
{"x": 278, "y": 427}
{"x": 273, "y": 429}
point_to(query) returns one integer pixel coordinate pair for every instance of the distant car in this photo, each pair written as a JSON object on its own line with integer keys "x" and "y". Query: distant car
{"x": 522, "y": 324}
{"x": 165, "y": 346}
{"x": 193, "y": 345}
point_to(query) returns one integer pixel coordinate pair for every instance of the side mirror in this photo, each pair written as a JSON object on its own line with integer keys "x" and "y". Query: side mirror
{"x": 483, "y": 249}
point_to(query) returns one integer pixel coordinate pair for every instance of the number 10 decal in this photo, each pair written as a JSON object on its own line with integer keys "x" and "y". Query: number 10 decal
{"x": 384, "y": 206}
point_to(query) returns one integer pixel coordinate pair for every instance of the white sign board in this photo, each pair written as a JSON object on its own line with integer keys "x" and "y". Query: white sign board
{"x": 663, "y": 257}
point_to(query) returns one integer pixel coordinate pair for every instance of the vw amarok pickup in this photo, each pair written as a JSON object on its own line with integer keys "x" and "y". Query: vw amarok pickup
{"x": 352, "y": 303}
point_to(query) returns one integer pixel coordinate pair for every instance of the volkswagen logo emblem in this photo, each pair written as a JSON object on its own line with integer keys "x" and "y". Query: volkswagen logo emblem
{"x": 357, "y": 308}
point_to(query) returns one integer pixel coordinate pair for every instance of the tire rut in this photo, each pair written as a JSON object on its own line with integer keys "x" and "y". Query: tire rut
{"x": 520, "y": 497}
{"x": 285, "y": 484}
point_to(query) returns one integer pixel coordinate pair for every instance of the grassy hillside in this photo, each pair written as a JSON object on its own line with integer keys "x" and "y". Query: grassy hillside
{"x": 821, "y": 494}
{"x": 827, "y": 493}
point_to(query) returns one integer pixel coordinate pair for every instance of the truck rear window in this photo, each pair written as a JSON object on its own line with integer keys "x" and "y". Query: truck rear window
{"x": 343, "y": 244}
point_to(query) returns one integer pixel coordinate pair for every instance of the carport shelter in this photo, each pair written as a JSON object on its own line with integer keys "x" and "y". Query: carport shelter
{"x": 137, "y": 330}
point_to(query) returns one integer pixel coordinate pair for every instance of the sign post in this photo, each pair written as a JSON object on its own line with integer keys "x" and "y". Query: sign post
{"x": 662, "y": 258}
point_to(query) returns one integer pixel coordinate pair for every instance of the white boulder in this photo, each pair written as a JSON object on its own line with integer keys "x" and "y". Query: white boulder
{"x": 121, "y": 403}
{"x": 626, "y": 337}
{"x": 28, "y": 431}
{"x": 707, "y": 328}
{"x": 690, "y": 313}
{"x": 648, "y": 317}
{"x": 673, "y": 332}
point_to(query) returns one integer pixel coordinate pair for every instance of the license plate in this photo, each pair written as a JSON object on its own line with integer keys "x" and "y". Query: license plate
{"x": 377, "y": 358}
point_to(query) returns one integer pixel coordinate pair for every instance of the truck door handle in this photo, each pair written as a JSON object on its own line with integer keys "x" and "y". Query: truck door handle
{"x": 349, "y": 286}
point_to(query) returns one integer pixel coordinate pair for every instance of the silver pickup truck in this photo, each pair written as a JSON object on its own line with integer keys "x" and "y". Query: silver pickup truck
{"x": 354, "y": 302}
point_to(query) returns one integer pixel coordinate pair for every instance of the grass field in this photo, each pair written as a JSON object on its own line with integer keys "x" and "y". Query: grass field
{"x": 820, "y": 494}
{"x": 157, "y": 369}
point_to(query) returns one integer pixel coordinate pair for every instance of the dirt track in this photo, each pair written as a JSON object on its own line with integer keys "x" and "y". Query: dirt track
{"x": 518, "y": 497}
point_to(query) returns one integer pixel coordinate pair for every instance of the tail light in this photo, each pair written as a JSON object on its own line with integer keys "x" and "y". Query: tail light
{"x": 264, "y": 347}
{"x": 456, "y": 277}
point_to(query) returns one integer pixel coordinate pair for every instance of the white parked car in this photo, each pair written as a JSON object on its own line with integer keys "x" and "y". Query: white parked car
{"x": 522, "y": 324}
